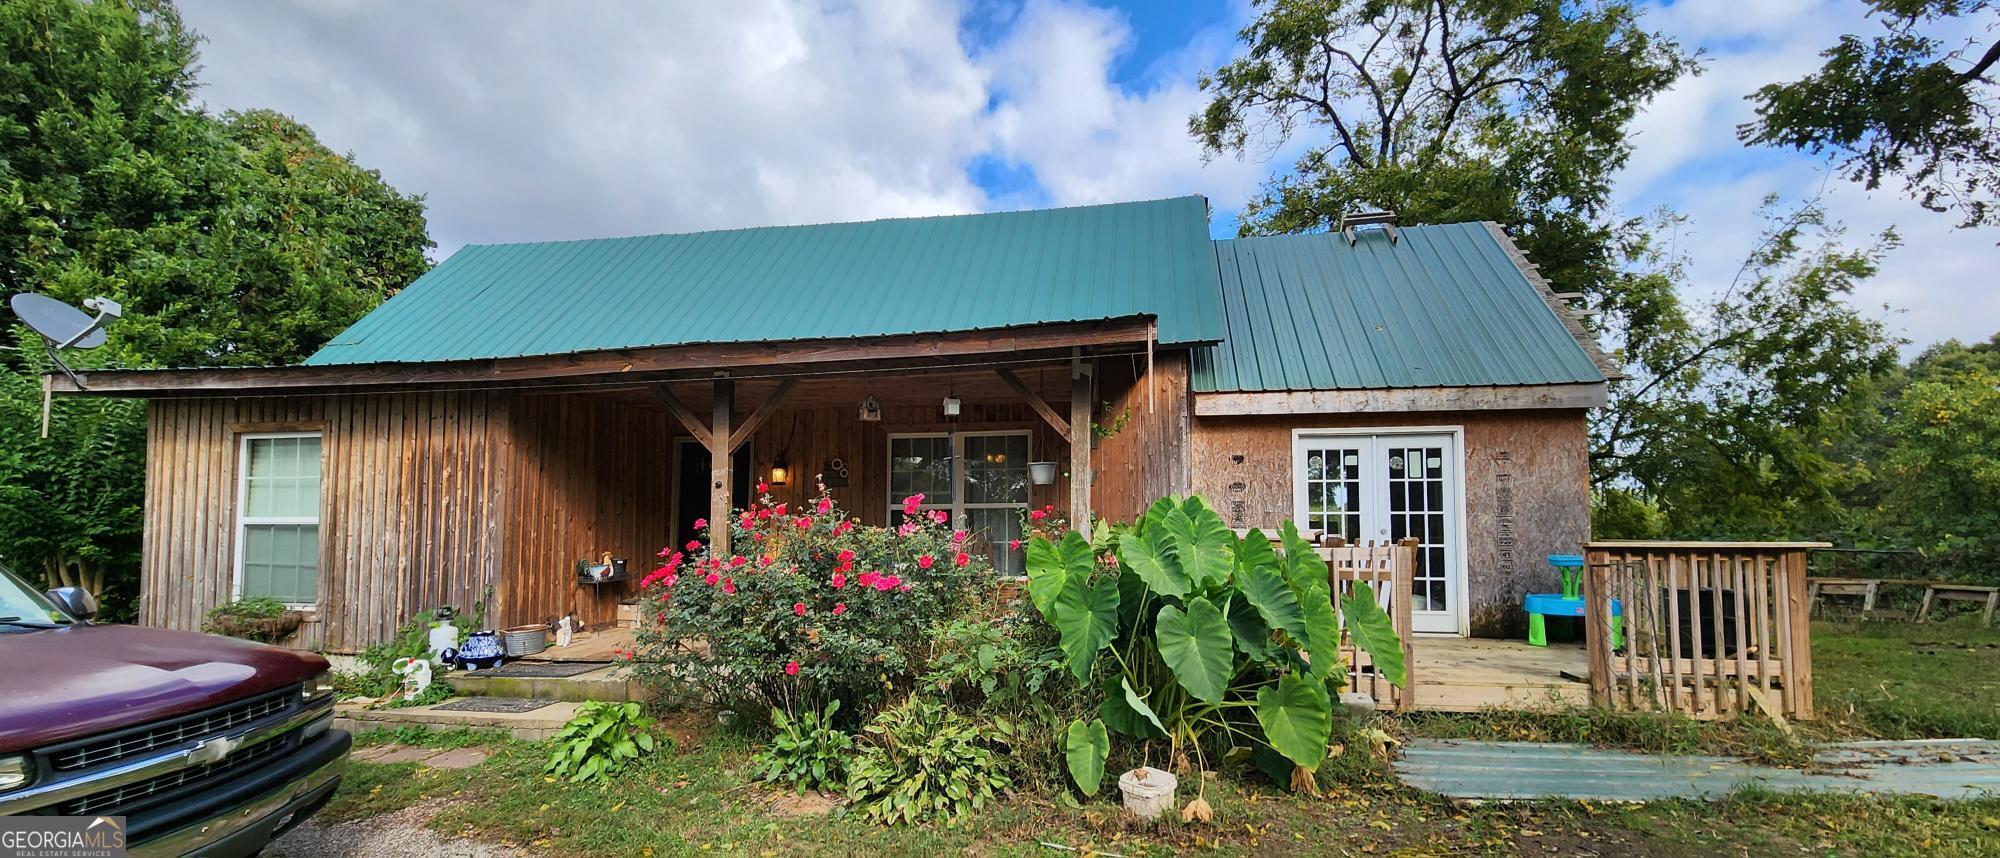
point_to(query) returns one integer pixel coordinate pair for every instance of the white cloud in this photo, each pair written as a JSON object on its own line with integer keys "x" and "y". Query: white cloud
{"x": 1688, "y": 158}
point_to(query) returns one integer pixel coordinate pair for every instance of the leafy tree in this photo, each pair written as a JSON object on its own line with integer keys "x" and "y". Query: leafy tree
{"x": 229, "y": 240}
{"x": 1904, "y": 103}
{"x": 1513, "y": 111}
{"x": 1944, "y": 471}
{"x": 1733, "y": 403}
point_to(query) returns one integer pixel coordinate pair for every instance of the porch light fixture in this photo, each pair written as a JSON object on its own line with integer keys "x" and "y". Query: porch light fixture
{"x": 781, "y": 471}
{"x": 951, "y": 405}
{"x": 871, "y": 411}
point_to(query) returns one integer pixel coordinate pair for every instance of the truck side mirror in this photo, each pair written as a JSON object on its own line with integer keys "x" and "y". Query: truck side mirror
{"x": 74, "y": 601}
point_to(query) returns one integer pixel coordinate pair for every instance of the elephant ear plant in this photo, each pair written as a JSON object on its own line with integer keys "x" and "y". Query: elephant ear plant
{"x": 1206, "y": 641}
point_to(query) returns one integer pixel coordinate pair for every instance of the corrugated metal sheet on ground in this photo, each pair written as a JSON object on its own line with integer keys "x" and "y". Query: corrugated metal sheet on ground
{"x": 1946, "y": 768}
{"x": 771, "y": 284}
{"x": 1444, "y": 305}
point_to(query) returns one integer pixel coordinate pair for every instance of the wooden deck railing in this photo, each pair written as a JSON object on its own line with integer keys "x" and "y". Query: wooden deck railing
{"x": 1389, "y": 571}
{"x": 1712, "y": 629}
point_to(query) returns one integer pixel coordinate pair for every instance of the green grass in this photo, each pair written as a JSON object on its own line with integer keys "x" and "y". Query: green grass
{"x": 1892, "y": 679}
{"x": 1873, "y": 679}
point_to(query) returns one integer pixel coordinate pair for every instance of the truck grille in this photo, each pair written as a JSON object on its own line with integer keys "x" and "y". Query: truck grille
{"x": 166, "y": 734}
{"x": 125, "y": 798}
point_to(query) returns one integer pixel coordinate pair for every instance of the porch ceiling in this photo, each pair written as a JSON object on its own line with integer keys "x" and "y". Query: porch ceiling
{"x": 891, "y": 389}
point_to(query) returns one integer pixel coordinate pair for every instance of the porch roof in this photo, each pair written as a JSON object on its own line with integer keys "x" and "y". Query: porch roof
{"x": 783, "y": 284}
{"x": 1450, "y": 305}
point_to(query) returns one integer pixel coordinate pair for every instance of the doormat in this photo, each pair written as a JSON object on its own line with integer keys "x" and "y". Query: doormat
{"x": 537, "y": 669}
{"x": 492, "y": 704}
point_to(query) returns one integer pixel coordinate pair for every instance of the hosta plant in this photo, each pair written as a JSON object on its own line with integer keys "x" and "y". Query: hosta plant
{"x": 1200, "y": 639}
{"x": 600, "y": 740}
{"x": 924, "y": 762}
{"x": 808, "y": 752}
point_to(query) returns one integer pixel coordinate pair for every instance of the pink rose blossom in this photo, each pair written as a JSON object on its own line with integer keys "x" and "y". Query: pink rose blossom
{"x": 911, "y": 503}
{"x": 925, "y": 561}
{"x": 665, "y": 551}
{"x": 700, "y": 523}
{"x": 791, "y": 668}
{"x": 846, "y": 555}
{"x": 958, "y": 537}
{"x": 693, "y": 545}
{"x": 907, "y": 528}
{"x": 1037, "y": 515}
{"x": 839, "y": 581}
{"x": 738, "y": 560}
{"x": 799, "y": 608}
{"x": 1014, "y": 544}
{"x": 729, "y": 586}
{"x": 712, "y": 579}
{"x": 825, "y": 505}
{"x": 763, "y": 488}
{"x": 939, "y": 516}
{"x": 839, "y": 608}
{"x": 778, "y": 510}
{"x": 886, "y": 584}
{"x": 868, "y": 578}
{"x": 962, "y": 559}
{"x": 903, "y": 588}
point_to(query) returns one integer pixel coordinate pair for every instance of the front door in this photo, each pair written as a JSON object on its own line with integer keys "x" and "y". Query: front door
{"x": 692, "y": 471}
{"x": 1385, "y": 488}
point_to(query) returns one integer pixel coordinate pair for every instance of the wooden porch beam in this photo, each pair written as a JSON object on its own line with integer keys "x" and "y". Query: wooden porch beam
{"x": 1079, "y": 444}
{"x": 1035, "y": 400}
{"x": 720, "y": 461}
{"x": 685, "y": 415}
{"x": 762, "y": 413}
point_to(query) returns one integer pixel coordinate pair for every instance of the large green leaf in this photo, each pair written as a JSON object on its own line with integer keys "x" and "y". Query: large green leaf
{"x": 1086, "y": 615}
{"x": 1253, "y": 637}
{"x": 1052, "y": 564}
{"x": 1085, "y": 746}
{"x": 1196, "y": 644}
{"x": 1203, "y": 543}
{"x": 1150, "y": 554}
{"x": 1126, "y": 712}
{"x": 1322, "y": 638}
{"x": 1374, "y": 632}
{"x": 1303, "y": 566}
{"x": 1297, "y": 717}
{"x": 1259, "y": 579}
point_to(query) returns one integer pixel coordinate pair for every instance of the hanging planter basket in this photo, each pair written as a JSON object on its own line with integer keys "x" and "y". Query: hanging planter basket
{"x": 260, "y": 629}
{"x": 1041, "y": 473}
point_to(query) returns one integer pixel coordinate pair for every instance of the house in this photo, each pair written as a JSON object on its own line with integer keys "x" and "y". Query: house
{"x": 525, "y": 408}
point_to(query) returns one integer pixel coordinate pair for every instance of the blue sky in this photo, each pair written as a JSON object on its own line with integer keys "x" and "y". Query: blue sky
{"x": 542, "y": 119}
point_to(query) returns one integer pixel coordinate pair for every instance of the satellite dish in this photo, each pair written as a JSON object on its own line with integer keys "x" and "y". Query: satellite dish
{"x": 64, "y": 326}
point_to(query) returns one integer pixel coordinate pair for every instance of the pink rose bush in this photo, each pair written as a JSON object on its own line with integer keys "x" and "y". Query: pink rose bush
{"x": 810, "y": 608}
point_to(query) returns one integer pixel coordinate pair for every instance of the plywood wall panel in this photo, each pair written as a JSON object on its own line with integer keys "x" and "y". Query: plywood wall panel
{"x": 1527, "y": 486}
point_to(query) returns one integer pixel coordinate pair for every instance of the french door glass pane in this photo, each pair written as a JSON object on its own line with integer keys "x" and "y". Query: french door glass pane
{"x": 920, "y": 466}
{"x": 1333, "y": 491}
{"x": 996, "y": 469}
{"x": 281, "y": 561}
{"x": 1416, "y": 511}
{"x": 993, "y": 530}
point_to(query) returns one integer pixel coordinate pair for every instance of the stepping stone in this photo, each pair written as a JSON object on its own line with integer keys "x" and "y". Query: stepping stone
{"x": 461, "y": 758}
{"x": 386, "y": 754}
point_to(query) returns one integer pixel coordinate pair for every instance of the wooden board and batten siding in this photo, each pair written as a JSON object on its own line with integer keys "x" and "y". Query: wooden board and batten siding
{"x": 409, "y": 496}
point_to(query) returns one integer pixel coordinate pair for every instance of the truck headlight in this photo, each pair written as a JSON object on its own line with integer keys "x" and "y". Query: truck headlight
{"x": 316, "y": 689}
{"x": 14, "y": 772}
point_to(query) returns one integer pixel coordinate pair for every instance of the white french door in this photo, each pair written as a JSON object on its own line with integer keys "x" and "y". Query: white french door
{"x": 1386, "y": 487}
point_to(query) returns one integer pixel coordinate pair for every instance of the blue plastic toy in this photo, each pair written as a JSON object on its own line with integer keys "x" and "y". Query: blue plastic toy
{"x": 1568, "y": 603}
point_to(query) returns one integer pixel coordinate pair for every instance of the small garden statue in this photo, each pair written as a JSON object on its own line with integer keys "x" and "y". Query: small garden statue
{"x": 416, "y": 674}
{"x": 565, "y": 628}
{"x": 443, "y": 639}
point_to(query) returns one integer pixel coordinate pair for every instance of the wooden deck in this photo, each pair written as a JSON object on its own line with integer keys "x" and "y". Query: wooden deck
{"x": 1471, "y": 674}
{"x": 601, "y": 645}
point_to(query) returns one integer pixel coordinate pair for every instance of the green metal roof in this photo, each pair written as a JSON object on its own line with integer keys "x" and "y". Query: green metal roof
{"x": 771, "y": 284}
{"x": 1442, "y": 306}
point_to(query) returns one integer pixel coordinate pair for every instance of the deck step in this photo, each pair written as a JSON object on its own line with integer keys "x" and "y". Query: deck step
{"x": 533, "y": 726}
{"x": 611, "y": 683}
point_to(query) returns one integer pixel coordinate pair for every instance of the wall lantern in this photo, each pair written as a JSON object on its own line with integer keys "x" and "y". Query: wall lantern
{"x": 871, "y": 411}
{"x": 780, "y": 471}
{"x": 951, "y": 405}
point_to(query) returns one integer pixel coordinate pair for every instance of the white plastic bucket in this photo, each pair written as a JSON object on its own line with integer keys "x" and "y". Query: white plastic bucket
{"x": 1148, "y": 792}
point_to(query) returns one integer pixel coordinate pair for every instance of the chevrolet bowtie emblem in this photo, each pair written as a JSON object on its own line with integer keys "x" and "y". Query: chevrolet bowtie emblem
{"x": 213, "y": 750}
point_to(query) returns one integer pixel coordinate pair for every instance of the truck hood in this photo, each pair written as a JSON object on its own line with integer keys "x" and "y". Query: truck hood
{"x": 62, "y": 684}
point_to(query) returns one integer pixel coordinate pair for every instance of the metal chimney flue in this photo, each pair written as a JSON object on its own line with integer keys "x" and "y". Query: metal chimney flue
{"x": 1384, "y": 219}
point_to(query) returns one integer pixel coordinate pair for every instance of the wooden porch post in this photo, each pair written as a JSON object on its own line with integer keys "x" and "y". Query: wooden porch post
{"x": 719, "y": 457}
{"x": 1080, "y": 436}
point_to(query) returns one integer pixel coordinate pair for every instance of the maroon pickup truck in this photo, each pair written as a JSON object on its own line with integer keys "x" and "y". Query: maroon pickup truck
{"x": 206, "y": 745}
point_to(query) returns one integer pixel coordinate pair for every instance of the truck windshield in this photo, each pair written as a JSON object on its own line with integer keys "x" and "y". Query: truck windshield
{"x": 22, "y": 607}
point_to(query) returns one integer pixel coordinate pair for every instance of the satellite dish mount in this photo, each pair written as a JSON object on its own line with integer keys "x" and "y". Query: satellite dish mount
{"x": 64, "y": 327}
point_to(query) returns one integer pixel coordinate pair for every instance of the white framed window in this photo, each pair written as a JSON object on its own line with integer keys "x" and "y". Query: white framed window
{"x": 980, "y": 479}
{"x": 277, "y": 517}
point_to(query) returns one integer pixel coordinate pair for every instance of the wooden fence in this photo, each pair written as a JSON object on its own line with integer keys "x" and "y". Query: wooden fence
{"x": 1711, "y": 629}
{"x": 1388, "y": 569}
